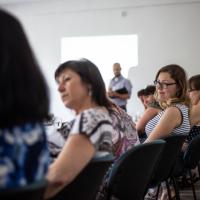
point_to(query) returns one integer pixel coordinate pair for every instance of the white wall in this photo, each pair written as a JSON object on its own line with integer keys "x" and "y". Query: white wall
{"x": 168, "y": 32}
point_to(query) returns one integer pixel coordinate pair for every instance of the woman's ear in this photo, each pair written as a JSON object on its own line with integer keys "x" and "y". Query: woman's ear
{"x": 90, "y": 89}
{"x": 178, "y": 89}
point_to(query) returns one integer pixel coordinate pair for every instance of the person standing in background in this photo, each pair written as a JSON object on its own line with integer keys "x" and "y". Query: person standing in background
{"x": 119, "y": 88}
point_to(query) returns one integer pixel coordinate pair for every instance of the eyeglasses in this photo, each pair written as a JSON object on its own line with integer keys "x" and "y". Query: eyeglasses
{"x": 190, "y": 90}
{"x": 162, "y": 85}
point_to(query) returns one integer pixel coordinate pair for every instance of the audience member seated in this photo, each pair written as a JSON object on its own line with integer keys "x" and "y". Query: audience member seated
{"x": 194, "y": 92}
{"x": 82, "y": 89}
{"x": 124, "y": 137}
{"x": 151, "y": 109}
{"x": 171, "y": 93}
{"x": 146, "y": 95}
{"x": 24, "y": 105}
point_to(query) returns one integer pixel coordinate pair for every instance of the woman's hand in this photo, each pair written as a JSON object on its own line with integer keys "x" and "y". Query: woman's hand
{"x": 185, "y": 144}
{"x": 149, "y": 114}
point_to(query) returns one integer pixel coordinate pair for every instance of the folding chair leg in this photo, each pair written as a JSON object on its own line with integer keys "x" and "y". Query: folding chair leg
{"x": 192, "y": 182}
{"x": 199, "y": 168}
{"x": 168, "y": 190}
{"x": 109, "y": 195}
{"x": 158, "y": 191}
{"x": 176, "y": 188}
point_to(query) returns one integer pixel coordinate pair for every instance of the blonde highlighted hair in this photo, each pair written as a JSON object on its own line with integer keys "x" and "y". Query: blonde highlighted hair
{"x": 180, "y": 77}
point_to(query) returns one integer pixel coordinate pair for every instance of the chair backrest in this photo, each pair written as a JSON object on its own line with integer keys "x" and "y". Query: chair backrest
{"x": 170, "y": 152}
{"x": 131, "y": 174}
{"x": 34, "y": 191}
{"x": 192, "y": 153}
{"x": 87, "y": 183}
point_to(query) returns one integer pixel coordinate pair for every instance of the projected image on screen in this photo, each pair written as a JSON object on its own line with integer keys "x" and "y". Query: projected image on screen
{"x": 103, "y": 51}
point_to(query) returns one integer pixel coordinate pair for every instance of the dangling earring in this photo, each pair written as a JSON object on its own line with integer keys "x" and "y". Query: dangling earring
{"x": 90, "y": 92}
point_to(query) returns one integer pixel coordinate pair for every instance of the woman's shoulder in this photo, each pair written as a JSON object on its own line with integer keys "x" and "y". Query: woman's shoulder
{"x": 196, "y": 107}
{"x": 182, "y": 108}
{"x": 90, "y": 121}
{"x": 155, "y": 104}
{"x": 93, "y": 114}
{"x": 177, "y": 108}
{"x": 195, "y": 115}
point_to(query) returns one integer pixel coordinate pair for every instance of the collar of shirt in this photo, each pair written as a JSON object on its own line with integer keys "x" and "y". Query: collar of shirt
{"x": 117, "y": 78}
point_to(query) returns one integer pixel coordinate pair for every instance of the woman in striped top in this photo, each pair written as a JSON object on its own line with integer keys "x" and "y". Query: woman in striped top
{"x": 171, "y": 93}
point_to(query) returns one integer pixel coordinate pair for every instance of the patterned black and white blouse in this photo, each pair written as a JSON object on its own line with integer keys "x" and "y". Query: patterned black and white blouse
{"x": 96, "y": 124}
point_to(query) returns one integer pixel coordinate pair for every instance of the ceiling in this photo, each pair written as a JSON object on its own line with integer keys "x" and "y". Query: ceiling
{"x": 18, "y": 1}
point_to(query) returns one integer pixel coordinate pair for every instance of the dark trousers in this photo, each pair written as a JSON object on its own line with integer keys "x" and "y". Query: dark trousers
{"x": 123, "y": 107}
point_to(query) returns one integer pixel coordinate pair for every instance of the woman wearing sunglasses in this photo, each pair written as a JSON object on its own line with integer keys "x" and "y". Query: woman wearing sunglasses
{"x": 171, "y": 93}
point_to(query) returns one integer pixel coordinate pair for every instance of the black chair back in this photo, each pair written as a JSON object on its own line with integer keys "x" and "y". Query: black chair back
{"x": 86, "y": 184}
{"x": 34, "y": 191}
{"x": 170, "y": 152}
{"x": 131, "y": 174}
{"x": 192, "y": 153}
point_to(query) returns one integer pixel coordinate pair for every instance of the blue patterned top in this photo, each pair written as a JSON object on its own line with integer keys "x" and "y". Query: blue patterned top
{"x": 24, "y": 156}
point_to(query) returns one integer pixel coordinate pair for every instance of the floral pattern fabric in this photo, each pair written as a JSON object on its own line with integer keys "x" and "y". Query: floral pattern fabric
{"x": 24, "y": 156}
{"x": 124, "y": 137}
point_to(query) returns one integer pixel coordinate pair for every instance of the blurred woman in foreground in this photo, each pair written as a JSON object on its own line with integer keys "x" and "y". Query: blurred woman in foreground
{"x": 24, "y": 105}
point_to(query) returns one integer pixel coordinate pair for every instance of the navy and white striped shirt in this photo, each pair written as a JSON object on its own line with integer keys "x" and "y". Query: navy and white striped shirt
{"x": 183, "y": 128}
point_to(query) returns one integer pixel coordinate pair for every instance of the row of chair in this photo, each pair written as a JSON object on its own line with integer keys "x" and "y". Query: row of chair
{"x": 140, "y": 168}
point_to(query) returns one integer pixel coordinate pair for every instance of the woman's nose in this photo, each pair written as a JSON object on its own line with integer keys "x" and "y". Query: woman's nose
{"x": 60, "y": 88}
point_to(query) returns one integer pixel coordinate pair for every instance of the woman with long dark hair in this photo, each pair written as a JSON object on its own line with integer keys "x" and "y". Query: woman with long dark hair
{"x": 82, "y": 89}
{"x": 24, "y": 105}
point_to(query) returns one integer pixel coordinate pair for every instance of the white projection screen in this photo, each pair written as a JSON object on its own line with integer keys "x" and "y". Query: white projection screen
{"x": 103, "y": 51}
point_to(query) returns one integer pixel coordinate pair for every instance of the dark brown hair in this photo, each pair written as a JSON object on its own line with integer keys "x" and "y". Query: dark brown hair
{"x": 140, "y": 93}
{"x": 194, "y": 82}
{"x": 24, "y": 94}
{"x": 89, "y": 74}
{"x": 149, "y": 89}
